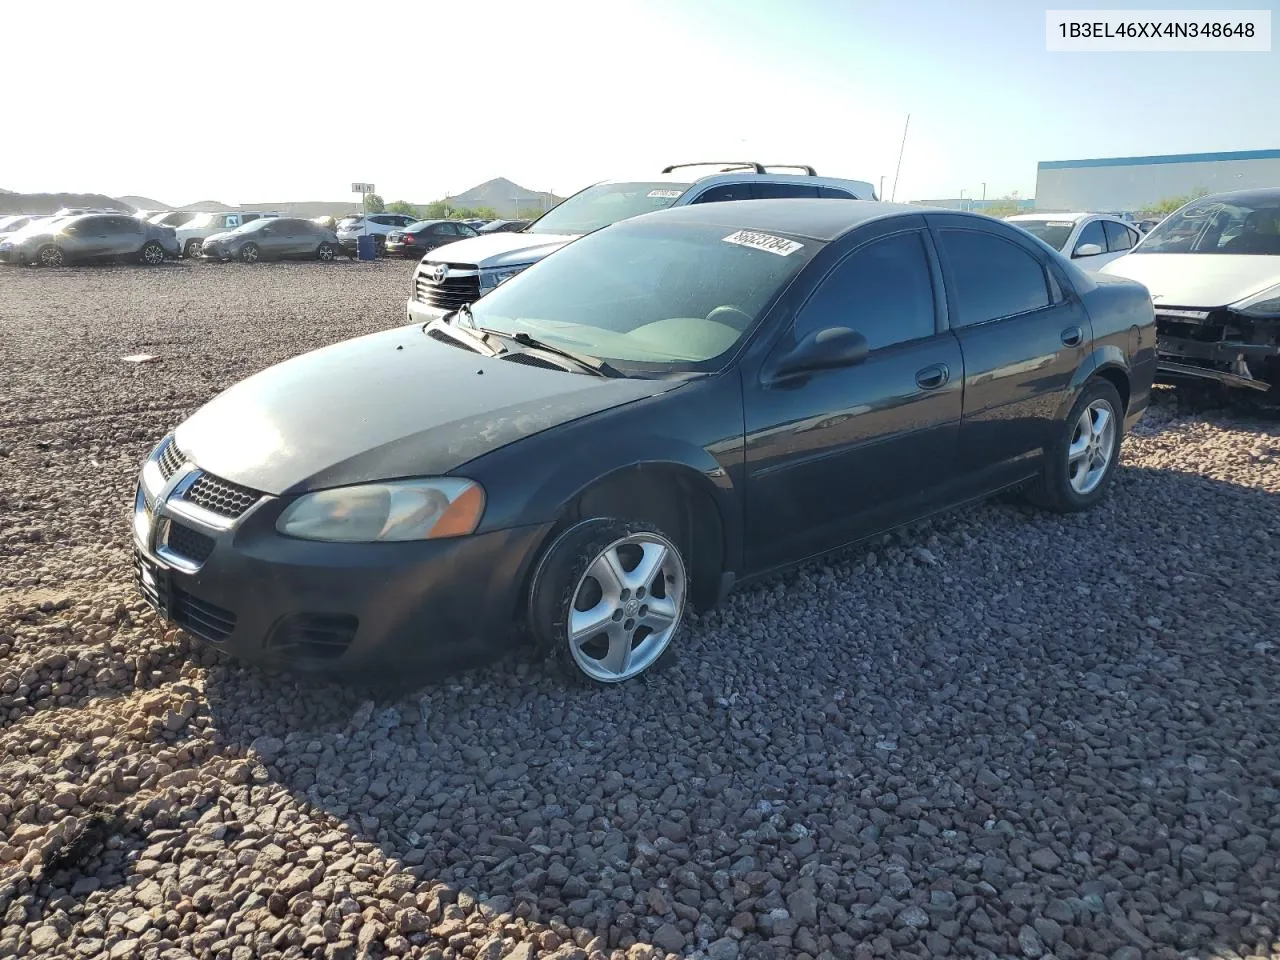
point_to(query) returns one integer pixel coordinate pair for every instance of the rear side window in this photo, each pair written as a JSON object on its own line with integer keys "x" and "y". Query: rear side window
{"x": 835, "y": 193}
{"x": 1119, "y": 237}
{"x": 883, "y": 290}
{"x": 726, "y": 192}
{"x": 991, "y": 277}
{"x": 776, "y": 191}
{"x": 1092, "y": 233}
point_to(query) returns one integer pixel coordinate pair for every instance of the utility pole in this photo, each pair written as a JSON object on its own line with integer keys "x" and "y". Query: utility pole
{"x": 984, "y": 193}
{"x": 897, "y": 171}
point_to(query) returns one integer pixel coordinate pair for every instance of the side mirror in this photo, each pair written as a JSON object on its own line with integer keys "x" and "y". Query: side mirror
{"x": 1087, "y": 250}
{"x": 823, "y": 350}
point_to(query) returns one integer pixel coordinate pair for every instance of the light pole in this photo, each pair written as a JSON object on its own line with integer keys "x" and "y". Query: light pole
{"x": 962, "y": 206}
{"x": 984, "y": 193}
{"x": 880, "y": 195}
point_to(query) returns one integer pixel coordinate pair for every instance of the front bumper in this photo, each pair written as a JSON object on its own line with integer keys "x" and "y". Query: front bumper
{"x": 243, "y": 589}
{"x": 1215, "y": 345}
{"x": 416, "y": 311}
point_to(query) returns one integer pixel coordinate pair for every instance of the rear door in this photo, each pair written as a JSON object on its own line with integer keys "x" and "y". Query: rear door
{"x": 1023, "y": 332}
{"x": 125, "y": 236}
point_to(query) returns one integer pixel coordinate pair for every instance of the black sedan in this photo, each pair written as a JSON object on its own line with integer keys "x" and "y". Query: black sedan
{"x": 422, "y": 236}
{"x": 662, "y": 409}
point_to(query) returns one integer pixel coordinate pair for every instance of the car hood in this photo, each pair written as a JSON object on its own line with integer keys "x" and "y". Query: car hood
{"x": 1197, "y": 279}
{"x": 218, "y": 237}
{"x": 499, "y": 249}
{"x": 398, "y": 403}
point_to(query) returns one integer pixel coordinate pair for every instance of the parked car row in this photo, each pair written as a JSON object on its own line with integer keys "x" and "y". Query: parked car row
{"x": 87, "y": 238}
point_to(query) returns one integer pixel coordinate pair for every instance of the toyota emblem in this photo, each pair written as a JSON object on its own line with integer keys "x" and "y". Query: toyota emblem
{"x": 437, "y": 272}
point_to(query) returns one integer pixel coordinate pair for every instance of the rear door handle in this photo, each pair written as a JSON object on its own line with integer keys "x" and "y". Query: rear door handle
{"x": 931, "y": 378}
{"x": 1072, "y": 336}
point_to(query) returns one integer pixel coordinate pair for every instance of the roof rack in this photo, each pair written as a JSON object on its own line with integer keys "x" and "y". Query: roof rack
{"x": 808, "y": 170}
{"x": 727, "y": 164}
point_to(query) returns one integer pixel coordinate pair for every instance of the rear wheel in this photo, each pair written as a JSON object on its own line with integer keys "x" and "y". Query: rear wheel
{"x": 51, "y": 256}
{"x": 192, "y": 250}
{"x": 249, "y": 253}
{"x": 152, "y": 253}
{"x": 1082, "y": 458}
{"x": 326, "y": 251}
{"x": 608, "y": 598}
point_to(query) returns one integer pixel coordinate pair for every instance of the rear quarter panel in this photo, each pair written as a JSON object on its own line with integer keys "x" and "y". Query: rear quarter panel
{"x": 1124, "y": 336}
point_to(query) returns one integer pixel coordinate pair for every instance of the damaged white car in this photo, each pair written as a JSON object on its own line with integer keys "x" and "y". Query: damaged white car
{"x": 1213, "y": 270}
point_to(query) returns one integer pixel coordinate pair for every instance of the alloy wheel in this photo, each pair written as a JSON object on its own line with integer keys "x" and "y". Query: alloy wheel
{"x": 1093, "y": 443}
{"x": 626, "y": 607}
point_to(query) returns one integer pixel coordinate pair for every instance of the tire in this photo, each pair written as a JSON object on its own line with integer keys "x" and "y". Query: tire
{"x": 1082, "y": 457}
{"x": 250, "y": 253}
{"x": 192, "y": 249}
{"x": 326, "y": 252}
{"x": 595, "y": 563}
{"x": 50, "y": 256}
{"x": 152, "y": 253}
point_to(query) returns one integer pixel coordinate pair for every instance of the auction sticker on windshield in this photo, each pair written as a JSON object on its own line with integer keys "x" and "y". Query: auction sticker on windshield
{"x": 764, "y": 241}
{"x": 664, "y": 194}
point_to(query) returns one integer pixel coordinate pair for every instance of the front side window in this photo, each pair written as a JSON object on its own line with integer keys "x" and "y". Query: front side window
{"x": 991, "y": 277}
{"x": 1092, "y": 233}
{"x": 883, "y": 290}
{"x": 607, "y": 203}
{"x": 655, "y": 297}
{"x": 1245, "y": 223}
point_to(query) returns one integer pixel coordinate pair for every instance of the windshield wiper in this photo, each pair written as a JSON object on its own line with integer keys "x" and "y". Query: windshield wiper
{"x": 599, "y": 367}
{"x": 471, "y": 335}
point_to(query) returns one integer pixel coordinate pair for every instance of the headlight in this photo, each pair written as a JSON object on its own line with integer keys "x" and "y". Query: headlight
{"x": 1264, "y": 304}
{"x": 491, "y": 278}
{"x": 387, "y": 512}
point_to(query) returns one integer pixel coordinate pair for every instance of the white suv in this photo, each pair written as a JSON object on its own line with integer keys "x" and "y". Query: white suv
{"x": 377, "y": 224}
{"x": 193, "y": 233}
{"x": 462, "y": 272}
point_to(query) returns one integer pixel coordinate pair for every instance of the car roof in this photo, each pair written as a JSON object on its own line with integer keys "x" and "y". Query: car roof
{"x": 1251, "y": 196}
{"x": 812, "y": 218}
{"x": 740, "y": 176}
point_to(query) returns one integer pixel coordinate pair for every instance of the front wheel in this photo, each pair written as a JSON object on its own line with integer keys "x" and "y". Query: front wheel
{"x": 152, "y": 253}
{"x": 1082, "y": 457}
{"x": 608, "y": 598}
{"x": 326, "y": 252}
{"x": 192, "y": 250}
{"x": 249, "y": 253}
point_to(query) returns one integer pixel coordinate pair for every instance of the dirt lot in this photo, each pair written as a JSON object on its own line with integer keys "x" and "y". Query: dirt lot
{"x": 1001, "y": 734}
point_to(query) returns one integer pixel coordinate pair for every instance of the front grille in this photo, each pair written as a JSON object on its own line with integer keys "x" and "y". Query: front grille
{"x": 449, "y": 295}
{"x": 189, "y": 544}
{"x": 206, "y": 620}
{"x": 316, "y": 636}
{"x": 171, "y": 459}
{"x": 532, "y": 361}
{"x": 222, "y": 497}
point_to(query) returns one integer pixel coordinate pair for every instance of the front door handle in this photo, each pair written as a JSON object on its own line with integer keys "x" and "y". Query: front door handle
{"x": 1072, "y": 336}
{"x": 932, "y": 377}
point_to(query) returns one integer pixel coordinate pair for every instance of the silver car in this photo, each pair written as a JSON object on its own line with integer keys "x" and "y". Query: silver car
{"x": 273, "y": 238}
{"x": 90, "y": 238}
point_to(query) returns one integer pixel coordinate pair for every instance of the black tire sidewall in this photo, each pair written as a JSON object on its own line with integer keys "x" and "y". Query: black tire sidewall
{"x": 1057, "y": 491}
{"x": 320, "y": 251}
{"x": 192, "y": 249}
{"x": 244, "y": 251}
{"x": 143, "y": 253}
{"x": 38, "y": 259}
{"x": 555, "y": 582}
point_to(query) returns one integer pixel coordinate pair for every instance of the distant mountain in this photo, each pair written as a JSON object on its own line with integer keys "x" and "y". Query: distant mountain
{"x": 143, "y": 203}
{"x": 306, "y": 208}
{"x": 2, "y": 190}
{"x": 210, "y": 206}
{"x": 506, "y": 197}
{"x": 11, "y": 202}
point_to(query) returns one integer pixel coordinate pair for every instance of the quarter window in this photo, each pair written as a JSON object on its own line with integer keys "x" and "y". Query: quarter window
{"x": 835, "y": 193}
{"x": 883, "y": 290}
{"x": 991, "y": 277}
{"x": 725, "y": 192}
{"x": 772, "y": 191}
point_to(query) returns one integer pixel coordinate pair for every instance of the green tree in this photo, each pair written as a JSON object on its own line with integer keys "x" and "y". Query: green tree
{"x": 402, "y": 206}
{"x": 373, "y": 203}
{"x": 1170, "y": 204}
{"x": 435, "y": 211}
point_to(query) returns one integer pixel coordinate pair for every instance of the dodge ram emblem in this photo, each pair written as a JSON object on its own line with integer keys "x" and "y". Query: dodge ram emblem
{"x": 437, "y": 272}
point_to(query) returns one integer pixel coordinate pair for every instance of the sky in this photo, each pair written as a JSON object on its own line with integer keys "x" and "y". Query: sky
{"x": 278, "y": 101}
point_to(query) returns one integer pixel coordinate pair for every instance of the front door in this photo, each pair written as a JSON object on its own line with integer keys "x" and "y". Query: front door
{"x": 1023, "y": 333}
{"x": 836, "y": 454}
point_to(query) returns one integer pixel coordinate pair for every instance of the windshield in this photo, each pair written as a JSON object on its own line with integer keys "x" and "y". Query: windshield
{"x": 39, "y": 225}
{"x": 657, "y": 297}
{"x": 350, "y": 221}
{"x": 202, "y": 220}
{"x": 607, "y": 203}
{"x": 257, "y": 224}
{"x": 10, "y": 223}
{"x": 1052, "y": 232}
{"x": 1239, "y": 224}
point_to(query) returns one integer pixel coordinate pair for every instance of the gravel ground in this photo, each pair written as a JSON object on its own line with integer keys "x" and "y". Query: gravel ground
{"x": 999, "y": 734}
